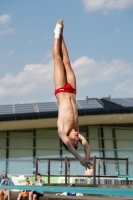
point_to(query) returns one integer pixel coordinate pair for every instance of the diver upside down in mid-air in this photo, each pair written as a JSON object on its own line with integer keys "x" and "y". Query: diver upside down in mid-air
{"x": 65, "y": 91}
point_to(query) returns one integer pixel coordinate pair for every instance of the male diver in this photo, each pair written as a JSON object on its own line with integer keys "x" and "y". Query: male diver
{"x": 65, "y": 91}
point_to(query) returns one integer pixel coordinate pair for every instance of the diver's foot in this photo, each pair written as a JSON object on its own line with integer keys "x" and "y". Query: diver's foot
{"x": 58, "y": 29}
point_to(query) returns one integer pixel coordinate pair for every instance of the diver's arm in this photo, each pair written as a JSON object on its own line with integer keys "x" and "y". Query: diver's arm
{"x": 86, "y": 146}
{"x": 67, "y": 142}
{"x": 70, "y": 147}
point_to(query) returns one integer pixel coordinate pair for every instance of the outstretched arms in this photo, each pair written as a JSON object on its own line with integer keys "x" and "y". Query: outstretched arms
{"x": 86, "y": 146}
{"x": 87, "y": 150}
{"x": 70, "y": 147}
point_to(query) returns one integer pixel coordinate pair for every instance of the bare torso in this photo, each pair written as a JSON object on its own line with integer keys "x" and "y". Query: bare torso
{"x": 67, "y": 113}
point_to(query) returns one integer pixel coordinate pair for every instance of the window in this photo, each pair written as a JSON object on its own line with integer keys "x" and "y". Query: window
{"x": 20, "y": 153}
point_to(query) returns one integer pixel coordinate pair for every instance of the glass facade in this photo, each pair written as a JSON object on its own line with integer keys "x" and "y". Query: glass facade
{"x": 18, "y": 150}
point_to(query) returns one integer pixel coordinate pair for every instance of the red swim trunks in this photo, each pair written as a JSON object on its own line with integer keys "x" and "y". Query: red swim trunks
{"x": 67, "y": 88}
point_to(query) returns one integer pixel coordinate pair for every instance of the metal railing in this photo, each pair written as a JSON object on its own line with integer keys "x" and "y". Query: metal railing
{"x": 67, "y": 161}
{"x": 113, "y": 159}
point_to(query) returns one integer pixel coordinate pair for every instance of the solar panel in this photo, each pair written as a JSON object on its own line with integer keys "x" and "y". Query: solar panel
{"x": 6, "y": 109}
{"x": 90, "y": 103}
{"x": 24, "y": 108}
{"x": 47, "y": 106}
{"x": 123, "y": 102}
{"x": 53, "y": 106}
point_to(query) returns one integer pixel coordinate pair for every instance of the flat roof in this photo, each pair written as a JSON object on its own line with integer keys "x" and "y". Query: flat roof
{"x": 46, "y": 110}
{"x": 91, "y": 111}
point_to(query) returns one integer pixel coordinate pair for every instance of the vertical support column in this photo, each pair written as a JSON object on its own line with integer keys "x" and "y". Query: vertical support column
{"x": 60, "y": 169}
{"x": 127, "y": 182}
{"x": 99, "y": 171}
{"x": 49, "y": 171}
{"x": 100, "y": 142}
{"x": 66, "y": 170}
{"x": 87, "y": 133}
{"x": 103, "y": 150}
{"x": 94, "y": 171}
{"x": 7, "y": 151}
{"x": 36, "y": 165}
{"x": 115, "y": 150}
{"x": 34, "y": 150}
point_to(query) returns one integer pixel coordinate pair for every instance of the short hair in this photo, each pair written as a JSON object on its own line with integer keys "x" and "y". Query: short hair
{"x": 38, "y": 174}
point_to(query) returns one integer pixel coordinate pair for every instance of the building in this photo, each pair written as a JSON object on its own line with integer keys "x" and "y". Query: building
{"x": 29, "y": 130}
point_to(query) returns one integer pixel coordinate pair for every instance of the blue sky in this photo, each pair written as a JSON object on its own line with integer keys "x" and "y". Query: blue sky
{"x": 99, "y": 37}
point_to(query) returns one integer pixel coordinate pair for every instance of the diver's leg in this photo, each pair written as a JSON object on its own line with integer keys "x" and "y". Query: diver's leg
{"x": 69, "y": 71}
{"x": 59, "y": 69}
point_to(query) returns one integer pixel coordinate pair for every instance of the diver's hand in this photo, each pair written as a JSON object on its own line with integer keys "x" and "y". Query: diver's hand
{"x": 85, "y": 162}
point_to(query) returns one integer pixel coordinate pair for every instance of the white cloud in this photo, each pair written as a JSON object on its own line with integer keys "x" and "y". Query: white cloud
{"x": 93, "y": 5}
{"x": 126, "y": 87}
{"x": 38, "y": 78}
{"x": 4, "y": 19}
{"x": 89, "y": 71}
{"x": 34, "y": 77}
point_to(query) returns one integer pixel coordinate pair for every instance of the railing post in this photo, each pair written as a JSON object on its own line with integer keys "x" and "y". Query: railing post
{"x": 99, "y": 171}
{"x": 66, "y": 170}
{"x": 94, "y": 171}
{"x": 49, "y": 171}
{"x": 127, "y": 182}
{"x": 36, "y": 165}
